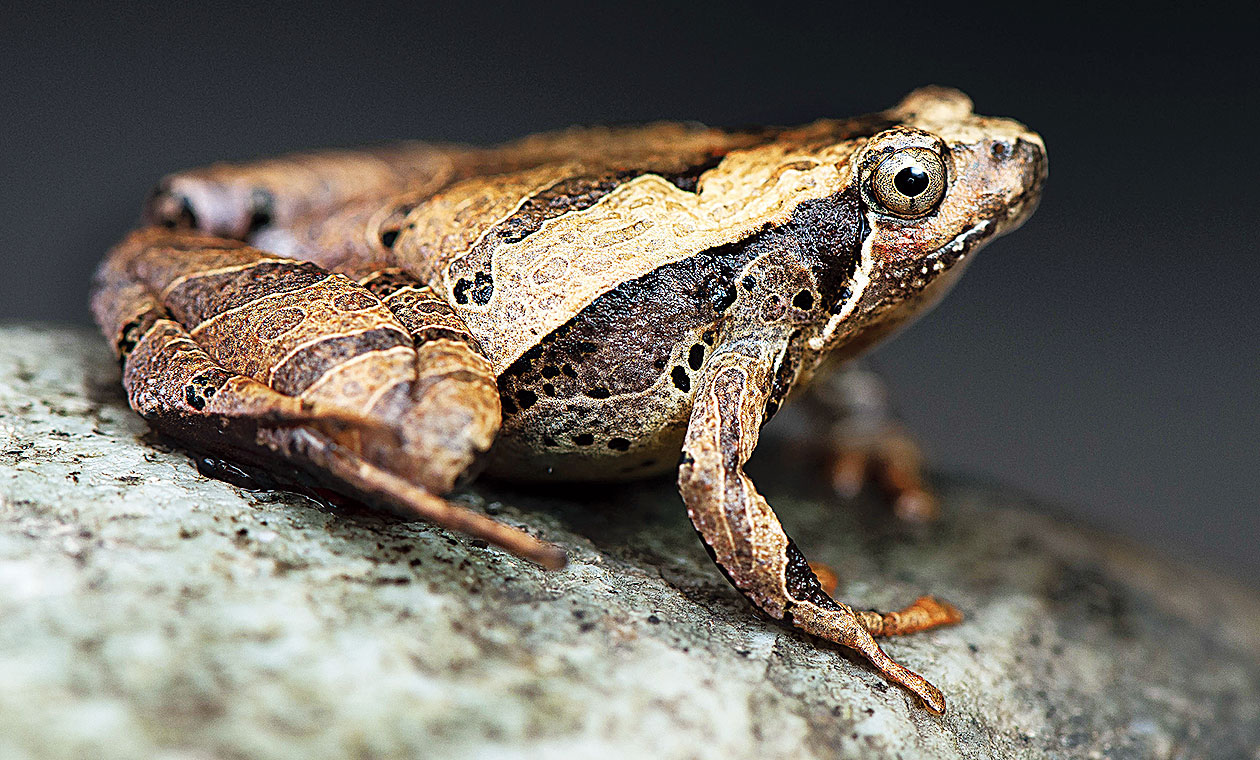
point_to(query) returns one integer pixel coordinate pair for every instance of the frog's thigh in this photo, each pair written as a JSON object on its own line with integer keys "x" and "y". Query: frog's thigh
{"x": 258, "y": 358}
{"x": 745, "y": 536}
{"x": 237, "y": 200}
{"x": 455, "y": 390}
{"x": 866, "y": 441}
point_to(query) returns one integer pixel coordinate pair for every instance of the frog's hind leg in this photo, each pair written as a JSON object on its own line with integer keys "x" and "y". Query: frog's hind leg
{"x": 454, "y": 390}
{"x": 240, "y": 200}
{"x": 745, "y": 537}
{"x": 280, "y": 363}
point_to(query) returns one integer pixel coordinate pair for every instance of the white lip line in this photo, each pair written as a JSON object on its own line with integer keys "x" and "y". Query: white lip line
{"x": 958, "y": 243}
{"x": 936, "y": 260}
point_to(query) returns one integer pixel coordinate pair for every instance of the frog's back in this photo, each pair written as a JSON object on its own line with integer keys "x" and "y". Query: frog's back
{"x": 520, "y": 253}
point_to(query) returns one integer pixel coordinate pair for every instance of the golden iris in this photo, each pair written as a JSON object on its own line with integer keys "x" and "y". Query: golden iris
{"x": 910, "y": 182}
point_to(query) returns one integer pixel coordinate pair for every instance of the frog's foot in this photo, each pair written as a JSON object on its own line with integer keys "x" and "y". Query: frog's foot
{"x": 863, "y": 441}
{"x": 926, "y": 612}
{"x": 370, "y": 389}
{"x": 842, "y": 625}
{"x": 892, "y": 461}
{"x": 745, "y": 537}
{"x": 809, "y": 607}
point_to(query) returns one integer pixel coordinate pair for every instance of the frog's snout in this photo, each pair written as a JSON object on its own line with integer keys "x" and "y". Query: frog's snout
{"x": 1023, "y": 159}
{"x": 1032, "y": 151}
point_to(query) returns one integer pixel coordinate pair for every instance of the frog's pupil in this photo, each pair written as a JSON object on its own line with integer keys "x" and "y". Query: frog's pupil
{"x": 911, "y": 181}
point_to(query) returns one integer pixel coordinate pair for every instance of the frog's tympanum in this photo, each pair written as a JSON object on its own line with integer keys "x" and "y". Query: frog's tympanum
{"x": 591, "y": 304}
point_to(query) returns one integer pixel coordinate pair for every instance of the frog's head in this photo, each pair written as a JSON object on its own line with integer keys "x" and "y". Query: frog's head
{"x": 935, "y": 187}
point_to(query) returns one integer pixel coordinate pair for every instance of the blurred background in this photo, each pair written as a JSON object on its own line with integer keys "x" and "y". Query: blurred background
{"x": 1104, "y": 357}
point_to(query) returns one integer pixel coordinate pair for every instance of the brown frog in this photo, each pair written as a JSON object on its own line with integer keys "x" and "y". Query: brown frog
{"x": 580, "y": 305}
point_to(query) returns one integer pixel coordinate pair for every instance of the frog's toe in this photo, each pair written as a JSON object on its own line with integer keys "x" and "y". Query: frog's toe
{"x": 893, "y": 463}
{"x": 926, "y": 613}
{"x": 916, "y": 505}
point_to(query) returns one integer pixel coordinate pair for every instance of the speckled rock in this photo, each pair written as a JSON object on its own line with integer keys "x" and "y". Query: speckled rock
{"x": 148, "y": 612}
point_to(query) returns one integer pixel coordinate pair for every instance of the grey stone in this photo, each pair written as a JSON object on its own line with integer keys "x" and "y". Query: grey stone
{"x": 149, "y": 612}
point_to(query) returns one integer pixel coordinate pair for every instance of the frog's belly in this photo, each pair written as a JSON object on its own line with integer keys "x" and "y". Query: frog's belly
{"x": 579, "y": 438}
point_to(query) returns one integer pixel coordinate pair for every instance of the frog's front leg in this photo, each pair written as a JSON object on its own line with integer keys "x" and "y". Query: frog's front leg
{"x": 281, "y": 364}
{"x": 745, "y": 537}
{"x": 864, "y": 441}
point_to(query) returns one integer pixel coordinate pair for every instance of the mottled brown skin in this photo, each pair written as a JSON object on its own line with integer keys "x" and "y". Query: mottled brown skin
{"x": 576, "y": 305}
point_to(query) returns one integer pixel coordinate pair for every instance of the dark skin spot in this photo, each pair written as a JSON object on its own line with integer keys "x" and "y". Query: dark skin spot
{"x": 132, "y": 332}
{"x": 749, "y": 283}
{"x": 550, "y": 371}
{"x": 598, "y": 393}
{"x": 262, "y": 208}
{"x": 804, "y": 300}
{"x": 480, "y": 289}
{"x": 695, "y": 357}
{"x": 389, "y": 237}
{"x": 527, "y": 398}
{"x": 461, "y": 290}
{"x": 584, "y": 439}
{"x": 722, "y": 299}
{"x": 194, "y": 399}
{"x": 619, "y": 444}
{"x": 681, "y": 380}
{"x": 483, "y": 288}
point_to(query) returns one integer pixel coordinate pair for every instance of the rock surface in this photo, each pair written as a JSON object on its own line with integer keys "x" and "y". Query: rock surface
{"x": 146, "y": 611}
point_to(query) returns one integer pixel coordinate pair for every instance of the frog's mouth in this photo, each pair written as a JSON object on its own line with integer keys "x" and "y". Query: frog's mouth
{"x": 985, "y": 230}
{"x": 957, "y": 249}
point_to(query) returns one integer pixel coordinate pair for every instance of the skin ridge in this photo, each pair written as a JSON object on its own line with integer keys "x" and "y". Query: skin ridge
{"x": 681, "y": 298}
{"x": 819, "y": 233}
{"x": 470, "y": 275}
{"x": 310, "y": 363}
{"x": 567, "y": 196}
{"x": 199, "y": 299}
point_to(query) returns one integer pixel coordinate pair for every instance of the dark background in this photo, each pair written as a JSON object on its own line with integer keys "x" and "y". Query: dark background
{"x": 1105, "y": 356}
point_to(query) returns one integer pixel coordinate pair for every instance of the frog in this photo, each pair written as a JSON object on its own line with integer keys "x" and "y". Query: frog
{"x": 589, "y": 304}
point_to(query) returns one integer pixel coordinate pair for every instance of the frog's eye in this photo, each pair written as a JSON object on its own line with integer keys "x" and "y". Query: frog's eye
{"x": 910, "y": 182}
